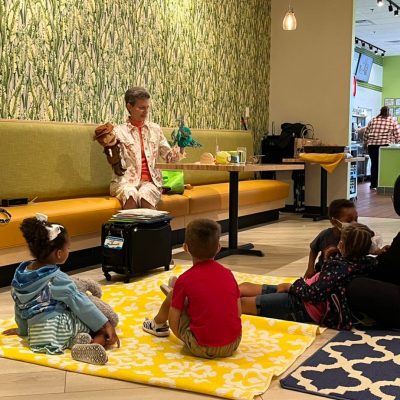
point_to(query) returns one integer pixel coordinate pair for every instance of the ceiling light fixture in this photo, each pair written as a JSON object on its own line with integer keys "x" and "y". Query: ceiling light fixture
{"x": 380, "y": 3}
{"x": 289, "y": 22}
{"x": 371, "y": 46}
{"x": 392, "y": 7}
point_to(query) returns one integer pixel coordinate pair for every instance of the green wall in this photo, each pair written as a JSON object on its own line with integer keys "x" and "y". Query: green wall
{"x": 391, "y": 79}
{"x": 72, "y": 60}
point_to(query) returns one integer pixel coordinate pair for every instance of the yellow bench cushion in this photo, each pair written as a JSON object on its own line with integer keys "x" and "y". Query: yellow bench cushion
{"x": 176, "y": 204}
{"x": 215, "y": 196}
{"x": 80, "y": 216}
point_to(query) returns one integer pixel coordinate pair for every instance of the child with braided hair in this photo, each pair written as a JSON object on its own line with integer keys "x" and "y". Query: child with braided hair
{"x": 49, "y": 308}
{"x": 321, "y": 299}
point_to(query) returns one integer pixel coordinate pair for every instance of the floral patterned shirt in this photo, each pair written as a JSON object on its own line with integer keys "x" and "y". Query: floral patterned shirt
{"x": 155, "y": 145}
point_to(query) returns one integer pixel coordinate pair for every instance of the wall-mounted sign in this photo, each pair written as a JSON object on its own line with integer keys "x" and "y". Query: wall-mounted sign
{"x": 389, "y": 102}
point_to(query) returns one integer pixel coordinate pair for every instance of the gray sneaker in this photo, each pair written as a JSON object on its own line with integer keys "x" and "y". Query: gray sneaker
{"x": 89, "y": 353}
{"x": 82, "y": 338}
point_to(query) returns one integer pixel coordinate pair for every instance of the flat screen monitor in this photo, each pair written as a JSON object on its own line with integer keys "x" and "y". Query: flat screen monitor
{"x": 364, "y": 68}
{"x": 354, "y": 65}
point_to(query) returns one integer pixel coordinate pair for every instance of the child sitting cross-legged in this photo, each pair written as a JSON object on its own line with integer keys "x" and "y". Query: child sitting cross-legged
{"x": 322, "y": 298}
{"x": 49, "y": 309}
{"x": 203, "y": 307}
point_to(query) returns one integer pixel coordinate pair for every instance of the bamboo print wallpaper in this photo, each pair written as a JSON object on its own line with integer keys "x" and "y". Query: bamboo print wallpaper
{"x": 72, "y": 60}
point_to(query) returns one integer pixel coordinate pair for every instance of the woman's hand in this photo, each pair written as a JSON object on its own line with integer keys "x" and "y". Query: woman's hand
{"x": 10, "y": 332}
{"x": 384, "y": 249}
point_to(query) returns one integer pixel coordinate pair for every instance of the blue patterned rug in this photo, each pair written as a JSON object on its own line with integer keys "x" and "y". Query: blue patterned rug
{"x": 357, "y": 365}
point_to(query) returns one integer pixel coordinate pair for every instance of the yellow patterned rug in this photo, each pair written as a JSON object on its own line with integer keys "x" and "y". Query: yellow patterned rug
{"x": 267, "y": 349}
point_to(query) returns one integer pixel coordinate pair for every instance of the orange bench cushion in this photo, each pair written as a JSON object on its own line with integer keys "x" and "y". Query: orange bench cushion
{"x": 176, "y": 204}
{"x": 80, "y": 216}
{"x": 215, "y": 196}
{"x": 85, "y": 215}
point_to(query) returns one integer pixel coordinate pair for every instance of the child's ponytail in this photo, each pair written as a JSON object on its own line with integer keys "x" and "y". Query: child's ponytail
{"x": 42, "y": 237}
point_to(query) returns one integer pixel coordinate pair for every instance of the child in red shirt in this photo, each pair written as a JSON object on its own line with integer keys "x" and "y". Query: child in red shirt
{"x": 203, "y": 308}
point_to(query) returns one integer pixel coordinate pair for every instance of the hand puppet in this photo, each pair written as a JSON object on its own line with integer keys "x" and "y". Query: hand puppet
{"x": 105, "y": 135}
{"x": 183, "y": 136}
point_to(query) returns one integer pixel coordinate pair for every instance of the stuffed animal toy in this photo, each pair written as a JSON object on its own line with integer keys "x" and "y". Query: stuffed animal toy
{"x": 105, "y": 135}
{"x": 93, "y": 290}
{"x": 183, "y": 137}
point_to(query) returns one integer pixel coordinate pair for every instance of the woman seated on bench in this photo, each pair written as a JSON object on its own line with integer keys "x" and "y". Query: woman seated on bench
{"x": 138, "y": 183}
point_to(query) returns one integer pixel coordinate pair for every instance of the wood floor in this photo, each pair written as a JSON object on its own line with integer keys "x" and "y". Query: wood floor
{"x": 372, "y": 204}
{"x": 286, "y": 246}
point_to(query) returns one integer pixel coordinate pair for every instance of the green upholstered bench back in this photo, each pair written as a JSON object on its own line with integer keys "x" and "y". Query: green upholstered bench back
{"x": 55, "y": 160}
{"x": 51, "y": 160}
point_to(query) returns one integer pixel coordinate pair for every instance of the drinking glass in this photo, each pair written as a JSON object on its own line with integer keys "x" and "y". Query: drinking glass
{"x": 242, "y": 153}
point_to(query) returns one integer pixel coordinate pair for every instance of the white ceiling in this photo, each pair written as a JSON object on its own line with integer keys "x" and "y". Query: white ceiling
{"x": 380, "y": 26}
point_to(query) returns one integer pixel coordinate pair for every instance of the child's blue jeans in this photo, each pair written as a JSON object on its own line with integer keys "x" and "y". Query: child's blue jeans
{"x": 280, "y": 305}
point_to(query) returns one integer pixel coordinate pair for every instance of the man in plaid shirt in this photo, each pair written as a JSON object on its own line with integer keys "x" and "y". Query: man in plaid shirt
{"x": 381, "y": 131}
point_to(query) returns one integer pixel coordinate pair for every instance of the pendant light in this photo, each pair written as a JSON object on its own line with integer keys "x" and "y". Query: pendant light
{"x": 289, "y": 22}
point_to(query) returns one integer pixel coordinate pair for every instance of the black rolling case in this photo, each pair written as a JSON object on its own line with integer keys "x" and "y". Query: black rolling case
{"x": 130, "y": 248}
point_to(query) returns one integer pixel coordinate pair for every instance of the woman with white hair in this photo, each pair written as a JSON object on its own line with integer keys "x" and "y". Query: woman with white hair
{"x": 142, "y": 143}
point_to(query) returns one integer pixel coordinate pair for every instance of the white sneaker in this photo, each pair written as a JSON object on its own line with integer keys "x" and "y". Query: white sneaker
{"x": 150, "y": 326}
{"x": 167, "y": 288}
{"x": 171, "y": 281}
